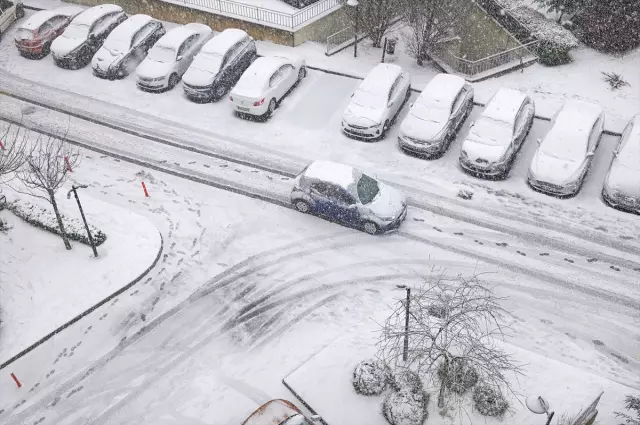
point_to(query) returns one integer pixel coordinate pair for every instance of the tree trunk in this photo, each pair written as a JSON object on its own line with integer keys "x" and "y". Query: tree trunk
{"x": 441, "y": 393}
{"x": 560, "y": 17}
{"x": 63, "y": 233}
{"x": 441, "y": 396}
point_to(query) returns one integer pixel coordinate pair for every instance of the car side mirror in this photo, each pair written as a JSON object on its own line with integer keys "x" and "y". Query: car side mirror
{"x": 539, "y": 141}
{"x": 179, "y": 58}
{"x": 615, "y": 152}
{"x": 590, "y": 154}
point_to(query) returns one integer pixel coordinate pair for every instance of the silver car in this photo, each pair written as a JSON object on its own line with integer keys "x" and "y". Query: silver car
{"x": 344, "y": 194}
{"x": 622, "y": 185}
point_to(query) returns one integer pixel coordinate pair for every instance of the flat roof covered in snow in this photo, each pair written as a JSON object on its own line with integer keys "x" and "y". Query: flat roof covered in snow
{"x": 223, "y": 41}
{"x": 94, "y": 13}
{"x": 129, "y": 27}
{"x": 380, "y": 78}
{"x": 442, "y": 90}
{"x": 333, "y": 172}
{"x": 504, "y": 105}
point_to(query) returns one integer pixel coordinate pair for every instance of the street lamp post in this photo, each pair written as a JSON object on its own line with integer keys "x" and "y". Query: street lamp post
{"x": 539, "y": 405}
{"x": 86, "y": 225}
{"x": 354, "y": 4}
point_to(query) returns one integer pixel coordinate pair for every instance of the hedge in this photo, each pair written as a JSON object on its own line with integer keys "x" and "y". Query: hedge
{"x": 46, "y": 219}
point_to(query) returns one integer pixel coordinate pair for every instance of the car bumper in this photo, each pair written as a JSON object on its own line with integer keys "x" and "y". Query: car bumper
{"x": 251, "y": 110}
{"x": 491, "y": 170}
{"x": 105, "y": 73}
{"x": 66, "y": 61}
{"x": 419, "y": 147}
{"x": 625, "y": 203}
{"x": 30, "y": 50}
{"x": 394, "y": 224}
{"x": 202, "y": 93}
{"x": 152, "y": 85}
{"x": 552, "y": 189}
{"x": 362, "y": 133}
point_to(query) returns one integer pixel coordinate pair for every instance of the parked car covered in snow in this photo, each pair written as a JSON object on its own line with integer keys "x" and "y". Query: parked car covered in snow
{"x": 127, "y": 46}
{"x": 376, "y": 102}
{"x": 171, "y": 56}
{"x": 622, "y": 185}
{"x": 344, "y": 194}
{"x": 219, "y": 65}
{"x": 494, "y": 140}
{"x": 278, "y": 412}
{"x": 563, "y": 158}
{"x": 436, "y": 115}
{"x": 265, "y": 83}
{"x": 85, "y": 35}
{"x": 10, "y": 11}
{"x": 34, "y": 36}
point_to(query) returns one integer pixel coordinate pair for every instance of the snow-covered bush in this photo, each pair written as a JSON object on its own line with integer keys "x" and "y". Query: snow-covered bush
{"x": 555, "y": 41}
{"x": 46, "y": 220}
{"x": 610, "y": 25}
{"x": 3, "y": 226}
{"x": 406, "y": 379}
{"x": 406, "y": 407}
{"x": 370, "y": 377}
{"x": 489, "y": 401}
{"x": 458, "y": 376}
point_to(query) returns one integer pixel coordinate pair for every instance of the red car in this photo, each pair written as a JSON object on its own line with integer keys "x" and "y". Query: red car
{"x": 279, "y": 412}
{"x": 34, "y": 37}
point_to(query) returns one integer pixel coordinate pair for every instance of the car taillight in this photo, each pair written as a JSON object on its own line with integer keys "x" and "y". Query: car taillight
{"x": 231, "y": 98}
{"x": 259, "y": 102}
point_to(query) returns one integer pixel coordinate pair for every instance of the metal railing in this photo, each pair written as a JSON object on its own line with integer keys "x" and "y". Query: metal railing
{"x": 263, "y": 15}
{"x": 471, "y": 68}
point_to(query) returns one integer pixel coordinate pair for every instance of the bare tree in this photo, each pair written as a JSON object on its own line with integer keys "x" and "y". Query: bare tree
{"x": 431, "y": 22}
{"x": 453, "y": 330}
{"x": 14, "y": 147}
{"x": 375, "y": 17}
{"x": 46, "y": 170}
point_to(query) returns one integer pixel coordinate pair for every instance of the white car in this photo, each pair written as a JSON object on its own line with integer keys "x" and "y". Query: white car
{"x": 265, "y": 83}
{"x": 376, "y": 102}
{"x": 127, "y": 46}
{"x": 622, "y": 185}
{"x": 171, "y": 56}
{"x": 436, "y": 115}
{"x": 494, "y": 140}
{"x": 562, "y": 160}
{"x": 10, "y": 11}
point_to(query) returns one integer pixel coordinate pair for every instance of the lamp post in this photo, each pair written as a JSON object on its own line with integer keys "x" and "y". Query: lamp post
{"x": 86, "y": 226}
{"x": 539, "y": 405}
{"x": 355, "y": 4}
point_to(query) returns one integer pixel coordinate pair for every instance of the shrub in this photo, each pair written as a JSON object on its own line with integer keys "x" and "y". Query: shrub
{"x": 551, "y": 54}
{"x": 612, "y": 26}
{"x": 406, "y": 407}
{"x": 46, "y": 220}
{"x": 406, "y": 379}
{"x": 4, "y": 227}
{"x": 489, "y": 401}
{"x": 457, "y": 375}
{"x": 370, "y": 377}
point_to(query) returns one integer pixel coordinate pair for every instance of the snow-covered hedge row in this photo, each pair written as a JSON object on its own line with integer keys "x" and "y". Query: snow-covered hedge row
{"x": 370, "y": 377}
{"x": 545, "y": 29}
{"x": 46, "y": 219}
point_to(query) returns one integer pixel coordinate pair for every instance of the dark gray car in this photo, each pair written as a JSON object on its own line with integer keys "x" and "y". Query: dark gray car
{"x": 219, "y": 65}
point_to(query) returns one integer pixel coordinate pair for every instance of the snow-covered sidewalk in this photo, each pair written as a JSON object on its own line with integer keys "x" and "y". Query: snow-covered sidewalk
{"x": 43, "y": 286}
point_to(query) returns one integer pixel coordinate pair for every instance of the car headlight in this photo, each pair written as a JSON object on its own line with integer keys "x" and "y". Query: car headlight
{"x": 463, "y": 154}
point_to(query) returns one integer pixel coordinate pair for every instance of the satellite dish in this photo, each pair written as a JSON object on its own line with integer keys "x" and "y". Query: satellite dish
{"x": 537, "y": 404}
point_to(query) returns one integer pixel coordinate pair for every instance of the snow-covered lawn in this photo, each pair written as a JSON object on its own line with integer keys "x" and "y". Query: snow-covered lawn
{"x": 43, "y": 286}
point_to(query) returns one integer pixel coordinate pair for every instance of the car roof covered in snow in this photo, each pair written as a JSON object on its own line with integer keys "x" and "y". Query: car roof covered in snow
{"x": 39, "y": 18}
{"x": 223, "y": 41}
{"x": 574, "y": 121}
{"x": 173, "y": 38}
{"x": 630, "y": 153}
{"x": 380, "y": 78}
{"x": 89, "y": 16}
{"x": 273, "y": 412}
{"x": 442, "y": 90}
{"x": 332, "y": 172}
{"x": 264, "y": 67}
{"x": 504, "y": 105}
{"x": 129, "y": 27}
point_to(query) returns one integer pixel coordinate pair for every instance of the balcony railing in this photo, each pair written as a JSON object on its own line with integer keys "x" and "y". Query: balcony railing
{"x": 262, "y": 15}
{"x": 472, "y": 68}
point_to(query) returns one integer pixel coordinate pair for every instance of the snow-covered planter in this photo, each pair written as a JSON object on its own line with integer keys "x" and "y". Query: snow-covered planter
{"x": 370, "y": 377}
{"x": 46, "y": 220}
{"x": 555, "y": 41}
{"x": 489, "y": 401}
{"x": 405, "y": 407}
{"x": 457, "y": 375}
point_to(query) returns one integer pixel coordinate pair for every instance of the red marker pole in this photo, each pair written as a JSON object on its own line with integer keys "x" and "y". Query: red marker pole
{"x": 1, "y": 145}
{"x": 66, "y": 160}
{"x": 144, "y": 187}
{"x": 16, "y": 379}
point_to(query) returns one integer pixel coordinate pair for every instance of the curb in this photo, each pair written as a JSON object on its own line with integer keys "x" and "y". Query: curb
{"x": 89, "y": 310}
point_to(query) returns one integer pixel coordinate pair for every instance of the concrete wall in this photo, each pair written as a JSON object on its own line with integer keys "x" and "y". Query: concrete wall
{"x": 323, "y": 27}
{"x": 184, "y": 15}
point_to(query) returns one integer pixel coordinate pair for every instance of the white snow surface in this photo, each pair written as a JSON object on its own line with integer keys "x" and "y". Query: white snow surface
{"x": 504, "y": 105}
{"x": 42, "y": 289}
{"x": 569, "y": 134}
{"x": 340, "y": 174}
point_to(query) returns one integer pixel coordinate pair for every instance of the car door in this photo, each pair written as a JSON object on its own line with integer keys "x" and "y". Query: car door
{"x": 621, "y": 145}
{"x": 319, "y": 193}
{"x": 58, "y": 24}
{"x": 457, "y": 109}
{"x": 520, "y": 125}
{"x": 343, "y": 206}
{"x": 227, "y": 68}
{"x": 141, "y": 41}
{"x": 391, "y": 99}
{"x": 185, "y": 54}
{"x": 289, "y": 78}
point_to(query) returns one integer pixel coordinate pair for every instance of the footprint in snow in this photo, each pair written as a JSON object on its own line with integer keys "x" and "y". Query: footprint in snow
{"x": 544, "y": 254}
{"x": 501, "y": 244}
{"x": 569, "y": 260}
{"x": 458, "y": 233}
{"x": 478, "y": 242}
{"x": 418, "y": 219}
{"x": 592, "y": 260}
{"x": 192, "y": 162}
{"x": 521, "y": 253}
{"x": 436, "y": 229}
{"x": 614, "y": 268}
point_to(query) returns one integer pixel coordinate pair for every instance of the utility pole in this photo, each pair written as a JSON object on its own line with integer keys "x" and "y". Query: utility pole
{"x": 86, "y": 225}
{"x": 405, "y": 352}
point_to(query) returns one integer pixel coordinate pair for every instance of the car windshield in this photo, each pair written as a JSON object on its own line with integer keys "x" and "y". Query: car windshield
{"x": 432, "y": 112}
{"x": 162, "y": 54}
{"x": 367, "y": 188}
{"x": 296, "y": 420}
{"x": 367, "y": 99}
{"x": 24, "y": 34}
{"x": 491, "y": 132}
{"x": 117, "y": 45}
{"x": 210, "y": 62}
{"x": 77, "y": 31}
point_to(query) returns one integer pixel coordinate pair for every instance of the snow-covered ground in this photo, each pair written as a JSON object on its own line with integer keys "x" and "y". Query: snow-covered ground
{"x": 42, "y": 286}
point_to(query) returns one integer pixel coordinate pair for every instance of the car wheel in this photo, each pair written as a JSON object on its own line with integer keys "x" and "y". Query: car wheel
{"x": 173, "y": 81}
{"x": 272, "y": 107}
{"x": 302, "y": 73}
{"x": 302, "y": 206}
{"x": 370, "y": 228}
{"x": 408, "y": 95}
{"x": 220, "y": 91}
{"x": 19, "y": 11}
{"x": 385, "y": 128}
{"x": 46, "y": 49}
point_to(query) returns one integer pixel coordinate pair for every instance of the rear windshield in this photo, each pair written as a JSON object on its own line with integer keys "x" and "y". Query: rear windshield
{"x": 24, "y": 34}
{"x": 367, "y": 189}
